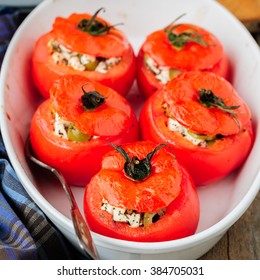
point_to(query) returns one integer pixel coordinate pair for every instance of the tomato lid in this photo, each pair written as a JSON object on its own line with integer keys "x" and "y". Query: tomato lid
{"x": 192, "y": 56}
{"x": 182, "y": 97}
{"x": 109, "y": 119}
{"x": 110, "y": 44}
{"x": 151, "y": 194}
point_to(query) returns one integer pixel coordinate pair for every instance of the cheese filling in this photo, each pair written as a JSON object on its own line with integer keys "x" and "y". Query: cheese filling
{"x": 61, "y": 127}
{"x": 131, "y": 217}
{"x": 67, "y": 130}
{"x": 81, "y": 62}
{"x": 174, "y": 125}
{"x": 162, "y": 73}
{"x": 196, "y": 138}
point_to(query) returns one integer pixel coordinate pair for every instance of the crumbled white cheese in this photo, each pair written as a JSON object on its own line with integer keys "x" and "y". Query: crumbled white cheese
{"x": 61, "y": 126}
{"x": 174, "y": 125}
{"x": 62, "y": 55}
{"x": 85, "y": 58}
{"x": 64, "y": 50}
{"x": 161, "y": 73}
{"x": 134, "y": 219}
{"x": 122, "y": 215}
{"x": 152, "y": 65}
{"x": 112, "y": 61}
{"x": 75, "y": 63}
{"x": 101, "y": 67}
{"x": 164, "y": 75}
{"x": 57, "y": 57}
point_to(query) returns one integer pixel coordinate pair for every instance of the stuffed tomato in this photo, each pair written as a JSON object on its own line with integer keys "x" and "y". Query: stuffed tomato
{"x": 177, "y": 48}
{"x": 71, "y": 130}
{"x": 201, "y": 116}
{"x": 142, "y": 194}
{"x": 86, "y": 45}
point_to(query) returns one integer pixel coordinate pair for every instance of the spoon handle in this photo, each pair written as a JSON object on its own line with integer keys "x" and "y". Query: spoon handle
{"x": 80, "y": 225}
{"x": 82, "y": 230}
{"x": 83, "y": 234}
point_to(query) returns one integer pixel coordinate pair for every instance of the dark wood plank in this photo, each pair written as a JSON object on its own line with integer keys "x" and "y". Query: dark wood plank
{"x": 244, "y": 236}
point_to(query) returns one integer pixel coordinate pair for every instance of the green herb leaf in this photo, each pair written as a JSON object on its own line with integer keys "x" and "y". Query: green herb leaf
{"x": 179, "y": 41}
{"x": 209, "y": 99}
{"x": 93, "y": 26}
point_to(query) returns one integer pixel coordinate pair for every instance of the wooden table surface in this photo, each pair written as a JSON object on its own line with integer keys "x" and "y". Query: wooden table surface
{"x": 244, "y": 10}
{"x": 242, "y": 241}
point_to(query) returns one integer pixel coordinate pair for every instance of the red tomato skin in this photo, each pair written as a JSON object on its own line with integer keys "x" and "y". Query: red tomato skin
{"x": 77, "y": 161}
{"x": 192, "y": 57}
{"x": 148, "y": 84}
{"x": 109, "y": 119}
{"x": 112, "y": 42}
{"x": 45, "y": 71}
{"x": 205, "y": 165}
{"x": 181, "y": 218}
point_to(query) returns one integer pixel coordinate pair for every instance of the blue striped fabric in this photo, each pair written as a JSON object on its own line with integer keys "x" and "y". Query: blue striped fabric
{"x": 9, "y": 20}
{"x": 25, "y": 232}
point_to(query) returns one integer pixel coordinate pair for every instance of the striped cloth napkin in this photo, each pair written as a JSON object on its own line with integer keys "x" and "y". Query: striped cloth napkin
{"x": 10, "y": 19}
{"x": 25, "y": 232}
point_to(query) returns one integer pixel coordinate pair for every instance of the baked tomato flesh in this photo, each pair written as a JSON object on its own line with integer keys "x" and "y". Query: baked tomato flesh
{"x": 73, "y": 139}
{"x": 109, "y": 119}
{"x": 159, "y": 60}
{"x": 168, "y": 189}
{"x": 209, "y": 142}
{"x": 107, "y": 58}
{"x": 148, "y": 83}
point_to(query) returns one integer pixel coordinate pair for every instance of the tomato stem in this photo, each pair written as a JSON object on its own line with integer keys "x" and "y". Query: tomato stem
{"x": 179, "y": 41}
{"x": 92, "y": 99}
{"x": 137, "y": 169}
{"x": 209, "y": 99}
{"x": 93, "y": 26}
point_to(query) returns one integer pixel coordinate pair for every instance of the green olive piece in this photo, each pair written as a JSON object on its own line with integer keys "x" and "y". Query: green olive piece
{"x": 173, "y": 73}
{"x": 148, "y": 218}
{"x": 91, "y": 65}
{"x": 146, "y": 57}
{"x": 202, "y": 136}
{"x": 75, "y": 135}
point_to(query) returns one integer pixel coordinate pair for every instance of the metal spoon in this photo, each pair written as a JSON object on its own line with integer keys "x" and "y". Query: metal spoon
{"x": 81, "y": 228}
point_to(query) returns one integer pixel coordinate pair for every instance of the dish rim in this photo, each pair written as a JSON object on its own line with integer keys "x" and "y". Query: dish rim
{"x": 218, "y": 228}
{"x": 20, "y": 3}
